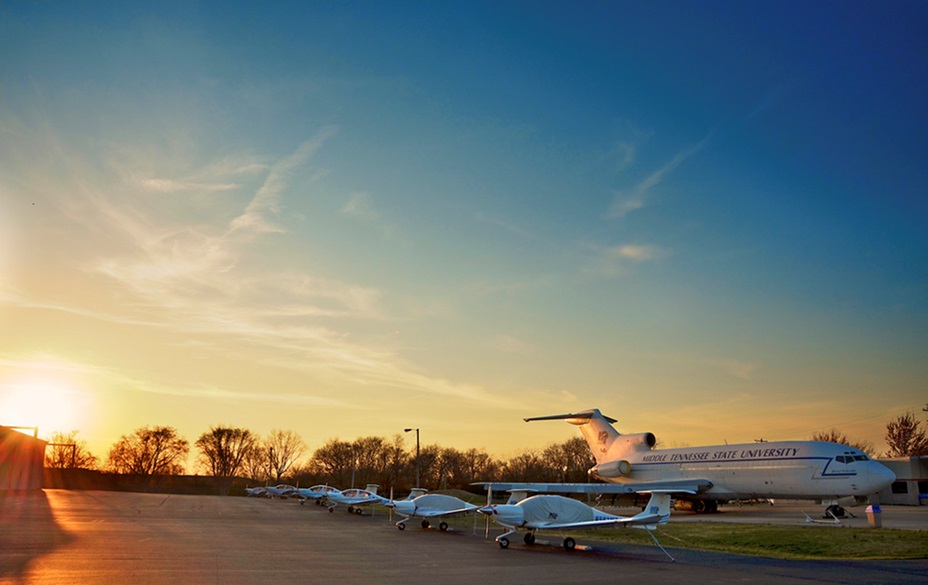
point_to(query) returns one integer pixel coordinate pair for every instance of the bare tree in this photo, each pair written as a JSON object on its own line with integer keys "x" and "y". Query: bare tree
{"x": 835, "y": 436}
{"x": 150, "y": 451}
{"x": 254, "y": 466}
{"x": 222, "y": 450}
{"x": 66, "y": 451}
{"x": 905, "y": 438}
{"x": 569, "y": 461}
{"x": 526, "y": 466}
{"x": 334, "y": 461}
{"x": 282, "y": 449}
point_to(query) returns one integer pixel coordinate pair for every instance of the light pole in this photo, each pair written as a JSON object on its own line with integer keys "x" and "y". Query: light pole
{"x": 417, "y": 453}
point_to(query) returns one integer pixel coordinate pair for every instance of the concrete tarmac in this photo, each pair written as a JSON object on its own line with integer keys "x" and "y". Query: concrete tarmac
{"x": 88, "y": 537}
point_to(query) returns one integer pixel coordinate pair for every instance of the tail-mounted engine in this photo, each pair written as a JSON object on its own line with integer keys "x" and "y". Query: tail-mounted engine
{"x": 622, "y": 445}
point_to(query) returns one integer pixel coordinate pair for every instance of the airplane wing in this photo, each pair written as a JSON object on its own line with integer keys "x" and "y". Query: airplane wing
{"x": 435, "y": 513}
{"x": 679, "y": 486}
{"x": 633, "y": 520}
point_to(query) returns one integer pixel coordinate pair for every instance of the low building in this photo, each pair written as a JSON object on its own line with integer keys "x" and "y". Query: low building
{"x": 911, "y": 485}
{"x": 22, "y": 459}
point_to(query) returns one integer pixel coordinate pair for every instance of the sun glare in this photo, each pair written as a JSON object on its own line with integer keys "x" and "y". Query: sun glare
{"x": 49, "y": 405}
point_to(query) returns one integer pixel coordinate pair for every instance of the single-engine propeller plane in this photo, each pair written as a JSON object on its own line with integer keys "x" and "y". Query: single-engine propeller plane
{"x": 355, "y": 498}
{"x": 552, "y": 512}
{"x": 429, "y": 507}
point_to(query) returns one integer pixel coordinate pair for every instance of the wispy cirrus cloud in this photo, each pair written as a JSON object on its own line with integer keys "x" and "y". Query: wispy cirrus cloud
{"x": 255, "y": 219}
{"x": 193, "y": 275}
{"x": 626, "y": 201}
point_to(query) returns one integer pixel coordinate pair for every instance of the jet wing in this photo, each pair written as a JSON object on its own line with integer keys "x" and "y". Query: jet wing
{"x": 677, "y": 486}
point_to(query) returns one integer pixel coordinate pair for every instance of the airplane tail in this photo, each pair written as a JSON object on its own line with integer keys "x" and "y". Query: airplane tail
{"x": 658, "y": 509}
{"x": 607, "y": 444}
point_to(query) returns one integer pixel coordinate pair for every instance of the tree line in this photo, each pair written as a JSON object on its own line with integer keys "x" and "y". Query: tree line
{"x": 225, "y": 453}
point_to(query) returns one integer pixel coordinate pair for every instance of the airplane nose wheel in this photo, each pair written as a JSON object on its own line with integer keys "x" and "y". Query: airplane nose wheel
{"x": 503, "y": 542}
{"x": 570, "y": 543}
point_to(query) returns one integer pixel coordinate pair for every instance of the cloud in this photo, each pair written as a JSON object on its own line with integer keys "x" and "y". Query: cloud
{"x": 638, "y": 252}
{"x": 627, "y": 202}
{"x": 187, "y": 269}
{"x": 254, "y": 220}
{"x": 612, "y": 261}
{"x": 361, "y": 206}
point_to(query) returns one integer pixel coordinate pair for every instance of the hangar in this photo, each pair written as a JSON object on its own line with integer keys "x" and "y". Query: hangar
{"x": 22, "y": 459}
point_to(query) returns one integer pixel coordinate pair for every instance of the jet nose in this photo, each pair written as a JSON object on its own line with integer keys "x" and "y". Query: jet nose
{"x": 881, "y": 476}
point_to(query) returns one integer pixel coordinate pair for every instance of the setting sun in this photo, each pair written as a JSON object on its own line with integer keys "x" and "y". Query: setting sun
{"x": 47, "y": 404}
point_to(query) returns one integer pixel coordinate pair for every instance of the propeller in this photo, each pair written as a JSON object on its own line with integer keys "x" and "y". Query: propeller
{"x": 486, "y": 533}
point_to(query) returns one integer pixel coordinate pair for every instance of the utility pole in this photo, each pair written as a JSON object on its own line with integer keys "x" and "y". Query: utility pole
{"x": 417, "y": 453}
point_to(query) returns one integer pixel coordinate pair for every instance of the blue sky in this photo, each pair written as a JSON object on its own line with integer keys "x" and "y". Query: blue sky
{"x": 705, "y": 219}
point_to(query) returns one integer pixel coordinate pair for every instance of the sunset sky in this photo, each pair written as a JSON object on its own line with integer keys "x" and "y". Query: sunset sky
{"x": 707, "y": 219}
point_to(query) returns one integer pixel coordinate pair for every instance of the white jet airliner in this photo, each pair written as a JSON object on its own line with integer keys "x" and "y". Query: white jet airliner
{"x": 836, "y": 475}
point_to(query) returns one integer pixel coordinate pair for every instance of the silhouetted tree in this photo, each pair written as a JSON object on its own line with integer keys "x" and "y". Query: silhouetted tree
{"x": 835, "y": 436}
{"x": 281, "y": 450}
{"x": 66, "y": 451}
{"x": 150, "y": 451}
{"x": 334, "y": 461}
{"x": 905, "y": 438}
{"x": 254, "y": 465}
{"x": 222, "y": 451}
{"x": 568, "y": 461}
{"x": 526, "y": 466}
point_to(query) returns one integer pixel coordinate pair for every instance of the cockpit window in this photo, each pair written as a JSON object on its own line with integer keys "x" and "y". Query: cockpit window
{"x": 861, "y": 458}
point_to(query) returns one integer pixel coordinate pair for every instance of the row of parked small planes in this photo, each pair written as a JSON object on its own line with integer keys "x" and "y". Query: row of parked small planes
{"x": 629, "y": 466}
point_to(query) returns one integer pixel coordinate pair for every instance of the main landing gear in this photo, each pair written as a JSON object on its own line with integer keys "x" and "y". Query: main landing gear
{"x": 529, "y": 539}
{"x": 704, "y": 506}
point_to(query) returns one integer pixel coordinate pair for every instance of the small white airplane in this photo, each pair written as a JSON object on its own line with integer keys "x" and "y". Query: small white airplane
{"x": 354, "y": 498}
{"x": 281, "y": 490}
{"x": 317, "y": 493}
{"x": 550, "y": 512}
{"x": 836, "y": 475}
{"x": 430, "y": 506}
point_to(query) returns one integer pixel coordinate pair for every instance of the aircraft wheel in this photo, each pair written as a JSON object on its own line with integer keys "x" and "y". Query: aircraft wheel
{"x": 443, "y": 526}
{"x": 836, "y": 510}
{"x": 570, "y": 543}
{"x": 358, "y": 511}
{"x": 350, "y": 509}
{"x": 712, "y": 506}
{"x": 302, "y": 502}
{"x": 401, "y": 526}
{"x": 331, "y": 510}
{"x": 425, "y": 524}
{"x": 503, "y": 542}
{"x": 699, "y": 506}
{"x": 529, "y": 538}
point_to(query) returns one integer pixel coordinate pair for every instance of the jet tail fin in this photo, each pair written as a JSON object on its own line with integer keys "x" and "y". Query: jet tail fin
{"x": 596, "y": 428}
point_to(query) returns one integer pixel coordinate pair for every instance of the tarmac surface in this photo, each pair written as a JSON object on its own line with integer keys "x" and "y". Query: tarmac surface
{"x": 90, "y": 537}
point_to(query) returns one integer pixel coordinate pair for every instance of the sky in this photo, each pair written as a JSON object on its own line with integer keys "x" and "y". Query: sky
{"x": 345, "y": 219}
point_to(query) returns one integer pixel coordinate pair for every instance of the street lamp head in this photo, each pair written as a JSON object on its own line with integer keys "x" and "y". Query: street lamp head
{"x": 408, "y": 430}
